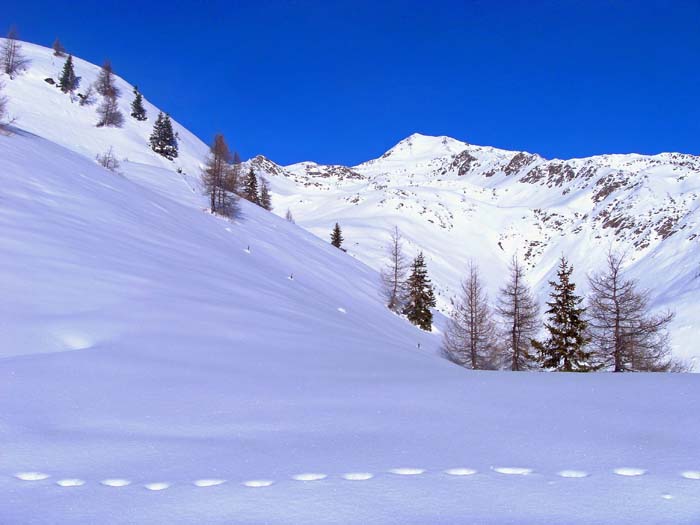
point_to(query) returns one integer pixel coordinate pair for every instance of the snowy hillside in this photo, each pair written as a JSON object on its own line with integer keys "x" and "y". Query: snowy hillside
{"x": 457, "y": 202}
{"x": 161, "y": 365}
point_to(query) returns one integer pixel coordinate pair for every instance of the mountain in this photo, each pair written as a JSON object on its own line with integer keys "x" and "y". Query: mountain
{"x": 457, "y": 201}
{"x": 161, "y": 365}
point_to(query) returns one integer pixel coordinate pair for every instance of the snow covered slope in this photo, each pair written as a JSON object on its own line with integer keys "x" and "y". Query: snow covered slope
{"x": 159, "y": 366}
{"x": 457, "y": 202}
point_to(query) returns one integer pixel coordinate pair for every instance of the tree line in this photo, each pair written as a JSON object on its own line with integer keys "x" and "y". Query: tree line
{"x": 611, "y": 329}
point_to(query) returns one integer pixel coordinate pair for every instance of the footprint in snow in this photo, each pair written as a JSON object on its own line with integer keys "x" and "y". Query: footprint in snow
{"x": 256, "y": 483}
{"x": 513, "y": 471}
{"x": 572, "y": 474}
{"x": 70, "y": 482}
{"x": 666, "y": 496}
{"x": 629, "y": 472}
{"x": 691, "y": 474}
{"x": 31, "y": 476}
{"x": 342, "y": 310}
{"x": 460, "y": 471}
{"x": 358, "y": 476}
{"x": 209, "y": 482}
{"x": 309, "y": 476}
{"x": 407, "y": 471}
{"x": 115, "y": 482}
{"x": 156, "y": 486}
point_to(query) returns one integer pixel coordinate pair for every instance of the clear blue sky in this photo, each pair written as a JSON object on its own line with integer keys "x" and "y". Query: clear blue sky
{"x": 342, "y": 81}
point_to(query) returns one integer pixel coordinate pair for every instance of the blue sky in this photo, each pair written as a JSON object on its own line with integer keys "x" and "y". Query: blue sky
{"x": 341, "y": 82}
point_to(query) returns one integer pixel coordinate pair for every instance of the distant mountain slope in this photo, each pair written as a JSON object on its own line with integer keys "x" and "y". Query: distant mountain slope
{"x": 458, "y": 201}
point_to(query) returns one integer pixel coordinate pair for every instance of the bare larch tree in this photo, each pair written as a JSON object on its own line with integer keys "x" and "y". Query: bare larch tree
{"x": 520, "y": 315}
{"x": 470, "y": 335}
{"x": 625, "y": 335}
{"x": 219, "y": 178}
{"x": 13, "y": 61}
{"x": 394, "y": 275}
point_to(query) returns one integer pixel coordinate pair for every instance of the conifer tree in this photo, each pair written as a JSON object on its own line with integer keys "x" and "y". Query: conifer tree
{"x": 265, "y": 197}
{"x": 58, "y": 49}
{"x": 137, "y": 109}
{"x": 163, "y": 140}
{"x": 520, "y": 314}
{"x": 217, "y": 178}
{"x": 337, "y": 236}
{"x": 289, "y": 216}
{"x": 109, "y": 113}
{"x": 105, "y": 83}
{"x": 626, "y": 336}
{"x": 393, "y": 276}
{"x": 11, "y": 58}
{"x": 250, "y": 188}
{"x": 565, "y": 348}
{"x": 68, "y": 81}
{"x": 470, "y": 334}
{"x": 420, "y": 295}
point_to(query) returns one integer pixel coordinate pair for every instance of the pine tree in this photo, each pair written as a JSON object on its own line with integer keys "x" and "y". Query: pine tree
{"x": 11, "y": 58}
{"x": 393, "y": 276}
{"x": 105, "y": 84}
{"x": 109, "y": 113}
{"x": 250, "y": 188}
{"x": 163, "y": 140}
{"x": 626, "y": 336}
{"x": 265, "y": 197}
{"x": 565, "y": 348}
{"x": 470, "y": 334}
{"x": 289, "y": 216}
{"x": 58, "y": 49}
{"x": 520, "y": 314}
{"x": 420, "y": 295}
{"x": 137, "y": 109}
{"x": 337, "y": 236}
{"x": 68, "y": 81}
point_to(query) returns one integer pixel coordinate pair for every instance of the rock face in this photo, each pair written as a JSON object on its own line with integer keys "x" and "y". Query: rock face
{"x": 458, "y": 201}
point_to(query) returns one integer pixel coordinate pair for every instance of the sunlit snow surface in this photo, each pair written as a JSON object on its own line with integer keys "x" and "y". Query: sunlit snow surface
{"x": 152, "y": 371}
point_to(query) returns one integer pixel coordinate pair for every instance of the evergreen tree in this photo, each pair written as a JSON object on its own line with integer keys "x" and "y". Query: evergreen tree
{"x": 250, "y": 188}
{"x": 265, "y": 197}
{"x": 137, "y": 109}
{"x": 68, "y": 81}
{"x": 337, "y": 236}
{"x": 520, "y": 314}
{"x": 565, "y": 348}
{"x": 470, "y": 334}
{"x": 420, "y": 295}
{"x": 163, "y": 140}
{"x": 58, "y": 49}
{"x": 289, "y": 216}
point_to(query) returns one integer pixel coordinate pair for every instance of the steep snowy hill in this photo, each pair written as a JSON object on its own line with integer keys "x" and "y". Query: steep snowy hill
{"x": 457, "y": 202}
{"x": 158, "y": 365}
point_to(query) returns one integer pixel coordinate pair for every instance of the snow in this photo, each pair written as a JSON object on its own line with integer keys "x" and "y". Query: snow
{"x": 152, "y": 371}
{"x": 486, "y": 216}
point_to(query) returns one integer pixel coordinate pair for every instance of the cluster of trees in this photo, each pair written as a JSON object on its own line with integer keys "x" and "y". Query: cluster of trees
{"x": 256, "y": 192}
{"x": 613, "y": 331}
{"x": 163, "y": 138}
{"x": 12, "y": 61}
{"x": 222, "y": 182}
{"x": 406, "y": 286}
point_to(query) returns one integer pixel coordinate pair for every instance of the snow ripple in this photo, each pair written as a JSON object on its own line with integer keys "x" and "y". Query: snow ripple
{"x": 310, "y": 476}
{"x": 256, "y": 483}
{"x": 31, "y": 476}
{"x": 572, "y": 474}
{"x": 115, "y": 482}
{"x": 629, "y": 471}
{"x": 157, "y": 486}
{"x": 358, "y": 476}
{"x": 513, "y": 471}
{"x": 209, "y": 482}
{"x": 460, "y": 471}
{"x": 691, "y": 474}
{"x": 407, "y": 471}
{"x": 73, "y": 482}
